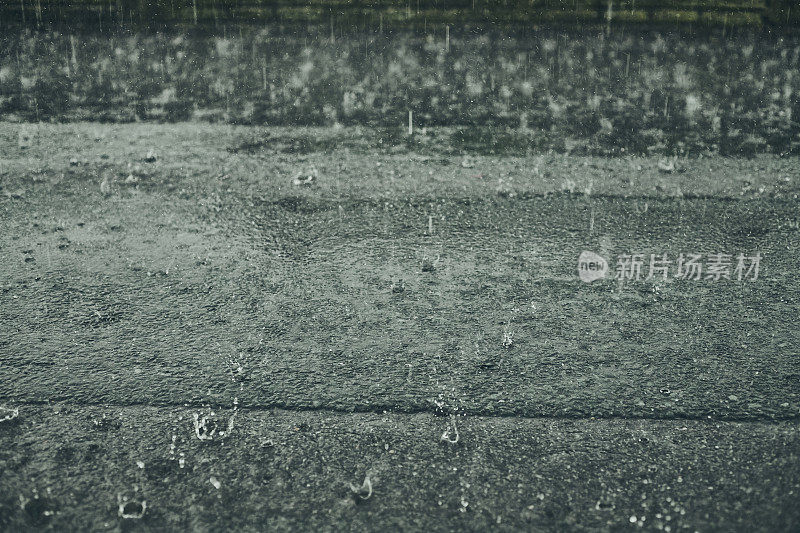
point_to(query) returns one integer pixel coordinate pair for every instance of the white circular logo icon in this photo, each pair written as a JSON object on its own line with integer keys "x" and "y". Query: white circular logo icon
{"x": 591, "y": 267}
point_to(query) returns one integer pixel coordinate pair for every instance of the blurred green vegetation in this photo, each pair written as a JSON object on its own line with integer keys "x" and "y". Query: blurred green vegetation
{"x": 370, "y": 14}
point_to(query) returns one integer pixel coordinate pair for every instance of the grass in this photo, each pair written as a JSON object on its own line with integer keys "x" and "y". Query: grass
{"x": 647, "y": 92}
